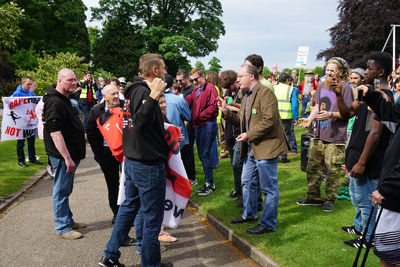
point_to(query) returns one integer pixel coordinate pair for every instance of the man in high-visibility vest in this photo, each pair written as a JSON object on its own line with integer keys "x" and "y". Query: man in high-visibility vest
{"x": 87, "y": 98}
{"x": 287, "y": 105}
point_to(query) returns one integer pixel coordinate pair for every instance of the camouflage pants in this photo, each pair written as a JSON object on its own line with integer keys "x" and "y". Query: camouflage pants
{"x": 329, "y": 157}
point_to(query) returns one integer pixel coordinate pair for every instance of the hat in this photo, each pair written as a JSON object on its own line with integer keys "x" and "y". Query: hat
{"x": 309, "y": 72}
{"x": 121, "y": 80}
{"x": 359, "y": 71}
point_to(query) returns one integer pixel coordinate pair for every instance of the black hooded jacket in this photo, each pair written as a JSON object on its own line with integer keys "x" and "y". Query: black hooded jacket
{"x": 59, "y": 115}
{"x": 143, "y": 126}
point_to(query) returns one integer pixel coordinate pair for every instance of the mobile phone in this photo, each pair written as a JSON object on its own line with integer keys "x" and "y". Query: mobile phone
{"x": 377, "y": 83}
{"x": 229, "y": 100}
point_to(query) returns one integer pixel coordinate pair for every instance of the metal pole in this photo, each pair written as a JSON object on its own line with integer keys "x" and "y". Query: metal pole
{"x": 394, "y": 47}
{"x": 387, "y": 40}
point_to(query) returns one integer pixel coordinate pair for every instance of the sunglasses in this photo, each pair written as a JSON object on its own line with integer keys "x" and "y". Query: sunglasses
{"x": 180, "y": 81}
{"x": 194, "y": 80}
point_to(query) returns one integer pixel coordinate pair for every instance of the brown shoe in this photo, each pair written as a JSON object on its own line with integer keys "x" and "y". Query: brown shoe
{"x": 78, "y": 226}
{"x": 71, "y": 235}
{"x": 166, "y": 237}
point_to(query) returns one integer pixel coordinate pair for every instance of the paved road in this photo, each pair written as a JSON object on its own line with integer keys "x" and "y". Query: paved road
{"x": 27, "y": 234}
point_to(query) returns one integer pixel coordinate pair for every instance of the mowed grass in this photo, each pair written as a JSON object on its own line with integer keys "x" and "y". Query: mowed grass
{"x": 12, "y": 176}
{"x": 305, "y": 236}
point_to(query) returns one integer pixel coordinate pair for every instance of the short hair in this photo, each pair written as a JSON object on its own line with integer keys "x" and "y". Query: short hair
{"x": 212, "y": 77}
{"x": 147, "y": 62}
{"x": 23, "y": 79}
{"x": 88, "y": 72}
{"x": 197, "y": 70}
{"x": 183, "y": 72}
{"x": 227, "y": 78}
{"x": 108, "y": 88}
{"x": 271, "y": 76}
{"x": 256, "y": 60}
{"x": 251, "y": 69}
{"x": 117, "y": 82}
{"x": 384, "y": 60}
{"x": 285, "y": 76}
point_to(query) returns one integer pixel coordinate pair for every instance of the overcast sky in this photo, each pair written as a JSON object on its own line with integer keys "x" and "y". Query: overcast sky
{"x": 273, "y": 29}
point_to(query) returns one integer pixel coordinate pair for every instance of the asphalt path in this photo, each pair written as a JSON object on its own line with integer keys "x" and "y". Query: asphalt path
{"x": 27, "y": 231}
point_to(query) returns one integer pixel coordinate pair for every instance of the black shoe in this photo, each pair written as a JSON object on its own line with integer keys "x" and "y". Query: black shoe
{"x": 233, "y": 194}
{"x": 309, "y": 202}
{"x": 168, "y": 264}
{"x": 113, "y": 219}
{"x": 356, "y": 243}
{"x": 208, "y": 190}
{"x": 284, "y": 160}
{"x": 259, "y": 229}
{"x": 104, "y": 262}
{"x": 22, "y": 164}
{"x": 201, "y": 188}
{"x": 241, "y": 220}
{"x": 350, "y": 230}
{"x": 35, "y": 161}
{"x": 129, "y": 242}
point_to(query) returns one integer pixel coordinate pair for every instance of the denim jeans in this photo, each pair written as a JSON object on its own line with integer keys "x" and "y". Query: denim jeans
{"x": 139, "y": 231}
{"x": 144, "y": 190}
{"x": 62, "y": 188}
{"x": 214, "y": 154}
{"x": 237, "y": 165}
{"x": 75, "y": 104}
{"x": 86, "y": 108}
{"x": 304, "y": 103}
{"x": 363, "y": 188}
{"x": 205, "y": 138}
{"x": 264, "y": 172}
{"x": 357, "y": 218}
{"x": 293, "y": 142}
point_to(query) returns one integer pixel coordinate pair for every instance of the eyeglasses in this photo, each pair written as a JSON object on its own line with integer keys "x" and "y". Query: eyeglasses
{"x": 194, "y": 80}
{"x": 244, "y": 75}
{"x": 180, "y": 81}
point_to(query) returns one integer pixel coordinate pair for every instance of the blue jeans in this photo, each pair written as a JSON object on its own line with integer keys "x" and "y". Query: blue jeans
{"x": 264, "y": 172}
{"x": 363, "y": 188}
{"x": 214, "y": 154}
{"x": 144, "y": 190}
{"x": 139, "y": 231}
{"x": 304, "y": 103}
{"x": 86, "y": 108}
{"x": 62, "y": 188}
{"x": 75, "y": 104}
{"x": 293, "y": 142}
{"x": 205, "y": 138}
{"x": 237, "y": 165}
{"x": 357, "y": 218}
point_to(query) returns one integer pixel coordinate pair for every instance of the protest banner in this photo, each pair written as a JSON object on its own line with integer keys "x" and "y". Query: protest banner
{"x": 19, "y": 117}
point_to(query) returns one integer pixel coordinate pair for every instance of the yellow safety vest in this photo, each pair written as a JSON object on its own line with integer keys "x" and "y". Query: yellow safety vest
{"x": 84, "y": 93}
{"x": 283, "y": 93}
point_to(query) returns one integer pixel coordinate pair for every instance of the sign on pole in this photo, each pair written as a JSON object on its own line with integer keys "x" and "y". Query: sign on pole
{"x": 302, "y": 56}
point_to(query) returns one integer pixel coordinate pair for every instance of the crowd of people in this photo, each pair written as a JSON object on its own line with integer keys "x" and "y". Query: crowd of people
{"x": 352, "y": 114}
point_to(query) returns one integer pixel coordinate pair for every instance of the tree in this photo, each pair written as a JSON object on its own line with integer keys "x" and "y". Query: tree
{"x": 26, "y": 59}
{"x": 214, "y": 65}
{"x": 10, "y": 32}
{"x": 362, "y": 29}
{"x": 54, "y": 26}
{"x": 175, "y": 29}
{"x": 48, "y": 67}
{"x": 200, "y": 65}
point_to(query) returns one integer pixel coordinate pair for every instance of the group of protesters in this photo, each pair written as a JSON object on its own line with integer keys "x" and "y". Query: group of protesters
{"x": 352, "y": 114}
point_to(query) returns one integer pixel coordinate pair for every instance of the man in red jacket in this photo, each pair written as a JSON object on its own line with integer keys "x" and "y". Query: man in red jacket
{"x": 203, "y": 103}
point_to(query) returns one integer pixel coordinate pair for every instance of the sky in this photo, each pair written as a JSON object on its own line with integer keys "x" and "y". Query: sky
{"x": 273, "y": 29}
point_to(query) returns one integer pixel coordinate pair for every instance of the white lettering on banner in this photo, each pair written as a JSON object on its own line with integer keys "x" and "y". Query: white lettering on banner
{"x": 19, "y": 117}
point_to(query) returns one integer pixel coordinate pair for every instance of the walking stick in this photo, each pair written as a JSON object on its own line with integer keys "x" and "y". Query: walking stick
{"x": 355, "y": 263}
{"x": 369, "y": 244}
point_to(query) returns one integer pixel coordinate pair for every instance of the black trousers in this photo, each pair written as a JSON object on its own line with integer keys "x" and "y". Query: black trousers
{"x": 31, "y": 149}
{"x": 187, "y": 154}
{"x": 110, "y": 167}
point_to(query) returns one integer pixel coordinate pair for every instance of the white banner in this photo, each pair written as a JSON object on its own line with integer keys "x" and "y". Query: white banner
{"x": 302, "y": 56}
{"x": 178, "y": 189}
{"x": 19, "y": 117}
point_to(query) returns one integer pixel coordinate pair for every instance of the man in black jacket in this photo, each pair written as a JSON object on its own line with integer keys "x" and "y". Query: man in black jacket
{"x": 146, "y": 151}
{"x": 64, "y": 140}
{"x": 102, "y": 153}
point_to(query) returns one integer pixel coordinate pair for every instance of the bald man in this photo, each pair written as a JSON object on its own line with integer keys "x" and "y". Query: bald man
{"x": 64, "y": 140}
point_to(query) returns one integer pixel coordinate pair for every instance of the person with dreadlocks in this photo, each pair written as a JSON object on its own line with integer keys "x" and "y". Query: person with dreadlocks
{"x": 327, "y": 148}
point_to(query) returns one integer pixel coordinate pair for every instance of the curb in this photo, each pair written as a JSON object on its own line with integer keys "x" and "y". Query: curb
{"x": 29, "y": 184}
{"x": 243, "y": 245}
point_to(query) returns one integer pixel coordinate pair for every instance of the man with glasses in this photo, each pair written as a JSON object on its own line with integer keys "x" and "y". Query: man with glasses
{"x": 203, "y": 103}
{"x": 263, "y": 141}
{"x": 187, "y": 153}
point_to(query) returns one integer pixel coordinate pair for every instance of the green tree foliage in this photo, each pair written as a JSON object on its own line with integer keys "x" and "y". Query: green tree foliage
{"x": 319, "y": 70}
{"x": 104, "y": 74}
{"x": 26, "y": 59}
{"x": 10, "y": 32}
{"x": 200, "y": 65}
{"x": 94, "y": 34}
{"x": 175, "y": 29}
{"x": 362, "y": 28}
{"x": 48, "y": 67}
{"x": 54, "y": 26}
{"x": 266, "y": 71}
{"x": 214, "y": 65}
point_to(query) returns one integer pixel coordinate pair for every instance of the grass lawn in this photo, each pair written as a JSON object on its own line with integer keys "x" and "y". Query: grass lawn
{"x": 305, "y": 236}
{"x": 12, "y": 176}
